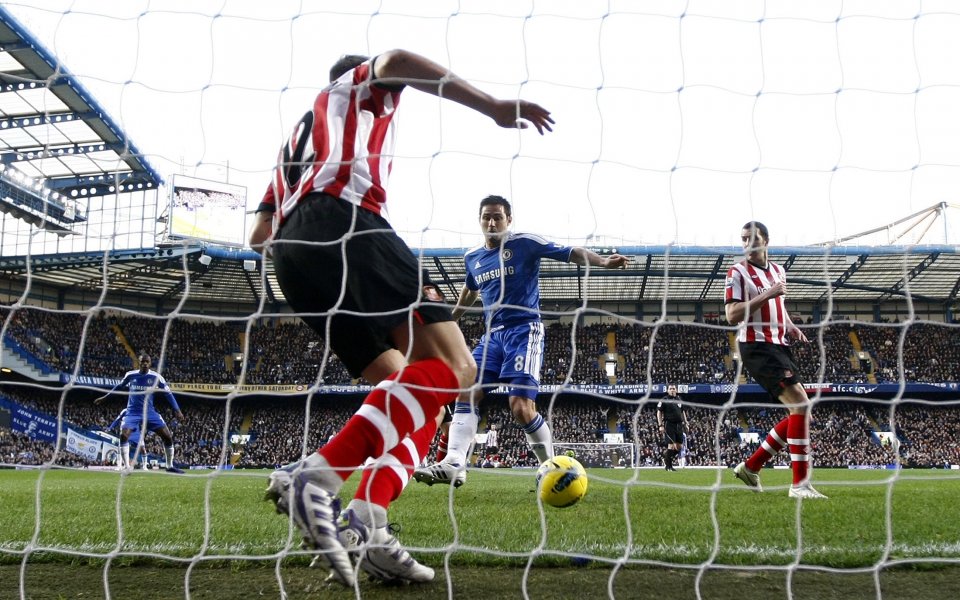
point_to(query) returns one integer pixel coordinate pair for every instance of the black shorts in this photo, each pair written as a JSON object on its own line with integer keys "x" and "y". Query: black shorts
{"x": 673, "y": 432}
{"x": 381, "y": 287}
{"x": 771, "y": 365}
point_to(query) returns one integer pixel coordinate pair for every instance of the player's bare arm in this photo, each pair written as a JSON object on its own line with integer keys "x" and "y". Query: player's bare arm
{"x": 582, "y": 256}
{"x": 795, "y": 332}
{"x": 419, "y": 72}
{"x": 737, "y": 312}
{"x": 467, "y": 299}
{"x": 261, "y": 231}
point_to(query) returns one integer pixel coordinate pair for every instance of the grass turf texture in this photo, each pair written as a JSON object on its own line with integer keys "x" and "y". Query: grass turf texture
{"x": 655, "y": 525}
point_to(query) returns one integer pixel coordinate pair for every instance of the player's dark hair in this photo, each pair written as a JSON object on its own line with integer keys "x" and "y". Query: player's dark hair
{"x": 345, "y": 63}
{"x": 143, "y": 355}
{"x": 759, "y": 227}
{"x": 493, "y": 200}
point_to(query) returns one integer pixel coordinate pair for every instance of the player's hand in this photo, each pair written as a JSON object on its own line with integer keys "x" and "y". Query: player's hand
{"x": 97, "y": 401}
{"x": 777, "y": 289}
{"x": 521, "y": 114}
{"x": 616, "y": 261}
{"x": 794, "y": 332}
{"x": 178, "y": 415}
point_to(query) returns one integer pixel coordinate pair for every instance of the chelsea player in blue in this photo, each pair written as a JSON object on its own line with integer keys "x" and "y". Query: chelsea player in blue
{"x": 133, "y": 439}
{"x": 141, "y": 414}
{"x": 505, "y": 273}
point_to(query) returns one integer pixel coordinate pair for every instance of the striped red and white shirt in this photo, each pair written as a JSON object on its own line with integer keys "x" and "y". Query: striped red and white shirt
{"x": 343, "y": 146}
{"x": 767, "y": 322}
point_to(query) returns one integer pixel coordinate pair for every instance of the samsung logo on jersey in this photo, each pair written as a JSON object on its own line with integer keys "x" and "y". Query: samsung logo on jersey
{"x": 142, "y": 388}
{"x": 492, "y": 274}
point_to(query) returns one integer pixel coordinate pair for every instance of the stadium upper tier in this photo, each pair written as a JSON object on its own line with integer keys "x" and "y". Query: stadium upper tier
{"x": 288, "y": 353}
{"x": 58, "y": 147}
{"x": 233, "y": 281}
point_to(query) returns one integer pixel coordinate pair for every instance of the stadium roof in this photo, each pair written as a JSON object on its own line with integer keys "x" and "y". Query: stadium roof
{"x": 57, "y": 145}
{"x": 691, "y": 274}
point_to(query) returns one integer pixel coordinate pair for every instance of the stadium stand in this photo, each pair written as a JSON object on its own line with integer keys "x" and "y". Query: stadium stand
{"x": 284, "y": 352}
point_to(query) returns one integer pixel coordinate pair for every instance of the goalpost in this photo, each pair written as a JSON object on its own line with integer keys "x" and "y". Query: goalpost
{"x": 677, "y": 122}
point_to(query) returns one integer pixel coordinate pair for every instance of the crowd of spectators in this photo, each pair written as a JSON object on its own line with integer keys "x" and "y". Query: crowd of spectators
{"x": 290, "y": 353}
{"x": 574, "y": 356}
{"x": 843, "y": 433}
{"x": 689, "y": 353}
{"x": 931, "y": 352}
{"x": 286, "y": 352}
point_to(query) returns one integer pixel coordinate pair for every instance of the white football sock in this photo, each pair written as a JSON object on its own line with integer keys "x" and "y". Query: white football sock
{"x": 463, "y": 430}
{"x": 539, "y": 437}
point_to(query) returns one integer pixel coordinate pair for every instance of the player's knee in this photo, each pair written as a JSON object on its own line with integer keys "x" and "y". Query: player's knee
{"x": 465, "y": 369}
{"x": 523, "y": 409}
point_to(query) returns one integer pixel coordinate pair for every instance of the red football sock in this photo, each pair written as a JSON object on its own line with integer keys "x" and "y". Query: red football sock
{"x": 442, "y": 447}
{"x": 798, "y": 439}
{"x": 382, "y": 483}
{"x": 391, "y": 412}
{"x": 776, "y": 440}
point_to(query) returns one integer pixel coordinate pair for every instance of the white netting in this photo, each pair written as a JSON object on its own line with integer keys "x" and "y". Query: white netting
{"x": 599, "y": 454}
{"x": 676, "y": 123}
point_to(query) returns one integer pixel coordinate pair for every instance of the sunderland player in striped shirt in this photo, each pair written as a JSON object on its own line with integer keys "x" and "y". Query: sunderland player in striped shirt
{"x": 359, "y": 286}
{"x": 755, "y": 293}
{"x": 504, "y": 272}
{"x": 141, "y": 414}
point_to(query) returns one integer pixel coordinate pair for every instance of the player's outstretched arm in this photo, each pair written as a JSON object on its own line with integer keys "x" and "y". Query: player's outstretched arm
{"x": 99, "y": 400}
{"x": 582, "y": 256}
{"x": 467, "y": 299}
{"x": 419, "y": 72}
{"x": 174, "y": 404}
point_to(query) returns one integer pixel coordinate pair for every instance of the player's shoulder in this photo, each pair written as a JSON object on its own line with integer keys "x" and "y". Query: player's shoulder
{"x": 527, "y": 238}
{"x": 737, "y": 267}
{"x": 478, "y": 249}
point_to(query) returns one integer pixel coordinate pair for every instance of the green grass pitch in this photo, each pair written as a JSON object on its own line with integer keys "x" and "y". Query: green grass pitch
{"x": 643, "y": 517}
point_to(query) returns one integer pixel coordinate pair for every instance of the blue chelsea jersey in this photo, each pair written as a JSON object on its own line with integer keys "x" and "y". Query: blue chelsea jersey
{"x": 145, "y": 384}
{"x": 510, "y": 289}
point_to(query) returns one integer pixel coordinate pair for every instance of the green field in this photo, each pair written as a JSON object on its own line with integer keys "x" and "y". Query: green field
{"x": 695, "y": 525}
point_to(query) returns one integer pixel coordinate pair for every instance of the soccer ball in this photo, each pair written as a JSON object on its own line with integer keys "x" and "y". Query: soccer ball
{"x": 562, "y": 481}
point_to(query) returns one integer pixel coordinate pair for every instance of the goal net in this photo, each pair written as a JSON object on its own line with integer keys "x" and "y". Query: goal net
{"x": 605, "y": 455}
{"x": 136, "y": 142}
